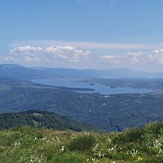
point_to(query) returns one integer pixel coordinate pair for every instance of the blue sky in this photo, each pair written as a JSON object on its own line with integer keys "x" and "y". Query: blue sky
{"x": 100, "y": 34}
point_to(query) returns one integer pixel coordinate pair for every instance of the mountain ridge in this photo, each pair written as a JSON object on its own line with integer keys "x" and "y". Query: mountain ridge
{"x": 18, "y": 71}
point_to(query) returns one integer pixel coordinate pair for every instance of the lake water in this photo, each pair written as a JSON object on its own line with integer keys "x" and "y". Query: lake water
{"x": 98, "y": 88}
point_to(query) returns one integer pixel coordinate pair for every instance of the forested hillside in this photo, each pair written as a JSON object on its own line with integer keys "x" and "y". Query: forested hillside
{"x": 41, "y": 119}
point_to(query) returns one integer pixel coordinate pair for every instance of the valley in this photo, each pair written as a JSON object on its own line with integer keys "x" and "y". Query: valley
{"x": 113, "y": 112}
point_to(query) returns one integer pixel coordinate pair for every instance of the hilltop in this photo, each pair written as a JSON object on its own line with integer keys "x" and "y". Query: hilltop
{"x": 41, "y": 119}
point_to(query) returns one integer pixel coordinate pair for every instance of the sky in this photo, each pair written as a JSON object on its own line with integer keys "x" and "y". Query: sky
{"x": 82, "y": 34}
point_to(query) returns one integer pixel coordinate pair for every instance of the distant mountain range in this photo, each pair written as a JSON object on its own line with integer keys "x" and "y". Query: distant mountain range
{"x": 17, "y": 71}
{"x": 110, "y": 73}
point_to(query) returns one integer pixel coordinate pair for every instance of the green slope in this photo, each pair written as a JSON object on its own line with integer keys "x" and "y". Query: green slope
{"x": 26, "y": 145}
{"x": 37, "y": 118}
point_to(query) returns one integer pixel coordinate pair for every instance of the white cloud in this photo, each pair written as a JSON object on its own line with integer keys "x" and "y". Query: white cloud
{"x": 25, "y": 54}
{"x": 26, "y": 49}
{"x": 157, "y": 56}
{"x": 32, "y": 55}
{"x": 68, "y": 53}
{"x": 72, "y": 57}
{"x": 130, "y": 58}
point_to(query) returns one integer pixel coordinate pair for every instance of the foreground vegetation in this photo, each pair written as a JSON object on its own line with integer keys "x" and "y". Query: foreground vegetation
{"x": 25, "y": 144}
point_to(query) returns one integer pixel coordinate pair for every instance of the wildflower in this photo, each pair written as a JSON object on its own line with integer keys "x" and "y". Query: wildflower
{"x": 157, "y": 144}
{"x": 63, "y": 148}
{"x": 96, "y": 147}
{"x": 35, "y": 159}
{"x": 93, "y": 159}
{"x": 113, "y": 149}
{"x": 99, "y": 154}
{"x": 133, "y": 152}
{"x": 44, "y": 139}
{"x": 16, "y": 144}
{"x": 108, "y": 140}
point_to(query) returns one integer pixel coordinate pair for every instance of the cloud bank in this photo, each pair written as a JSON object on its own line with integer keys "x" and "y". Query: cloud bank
{"x": 69, "y": 53}
{"x": 49, "y": 56}
{"x": 155, "y": 57}
{"x": 71, "y": 57}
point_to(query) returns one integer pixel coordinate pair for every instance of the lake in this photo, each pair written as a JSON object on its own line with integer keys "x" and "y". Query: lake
{"x": 96, "y": 87}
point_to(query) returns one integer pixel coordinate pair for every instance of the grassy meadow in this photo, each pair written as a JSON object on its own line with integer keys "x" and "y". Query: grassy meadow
{"x": 34, "y": 145}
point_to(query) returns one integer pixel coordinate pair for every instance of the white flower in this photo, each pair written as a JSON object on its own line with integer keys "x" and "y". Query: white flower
{"x": 63, "y": 148}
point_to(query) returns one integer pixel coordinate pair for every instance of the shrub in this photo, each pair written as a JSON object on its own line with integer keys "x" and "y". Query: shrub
{"x": 82, "y": 143}
{"x": 154, "y": 128}
{"x": 129, "y": 135}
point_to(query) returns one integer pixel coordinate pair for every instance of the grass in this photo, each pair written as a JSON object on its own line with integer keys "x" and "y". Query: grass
{"x": 33, "y": 145}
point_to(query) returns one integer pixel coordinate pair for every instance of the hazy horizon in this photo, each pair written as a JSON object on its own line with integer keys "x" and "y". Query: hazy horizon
{"x": 82, "y": 34}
